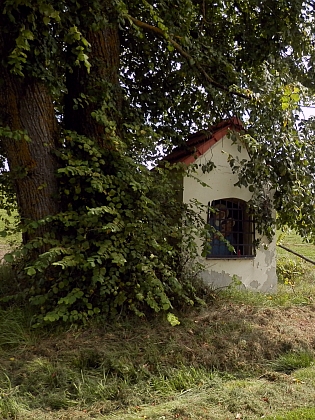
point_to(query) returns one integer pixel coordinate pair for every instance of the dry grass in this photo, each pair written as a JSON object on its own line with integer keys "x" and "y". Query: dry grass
{"x": 243, "y": 356}
{"x": 216, "y": 364}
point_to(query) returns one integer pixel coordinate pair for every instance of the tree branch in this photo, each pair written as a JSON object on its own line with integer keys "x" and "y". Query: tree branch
{"x": 185, "y": 54}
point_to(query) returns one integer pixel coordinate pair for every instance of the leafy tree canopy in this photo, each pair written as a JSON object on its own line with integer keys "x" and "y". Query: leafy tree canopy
{"x": 91, "y": 91}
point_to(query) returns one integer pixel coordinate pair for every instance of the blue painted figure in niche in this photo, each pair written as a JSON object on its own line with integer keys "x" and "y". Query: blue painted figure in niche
{"x": 221, "y": 221}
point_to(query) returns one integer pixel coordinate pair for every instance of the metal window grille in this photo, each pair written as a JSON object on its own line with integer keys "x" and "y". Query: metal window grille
{"x": 229, "y": 219}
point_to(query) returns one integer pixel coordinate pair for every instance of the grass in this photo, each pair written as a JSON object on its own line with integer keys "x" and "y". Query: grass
{"x": 292, "y": 361}
{"x": 15, "y": 329}
{"x": 244, "y": 356}
{"x": 206, "y": 368}
{"x": 298, "y": 414}
{"x": 293, "y": 241}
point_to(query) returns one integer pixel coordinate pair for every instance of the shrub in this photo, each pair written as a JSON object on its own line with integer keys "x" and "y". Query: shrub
{"x": 118, "y": 243}
{"x": 289, "y": 270}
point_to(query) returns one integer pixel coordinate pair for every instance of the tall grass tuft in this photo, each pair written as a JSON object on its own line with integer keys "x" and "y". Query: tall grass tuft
{"x": 181, "y": 379}
{"x": 11, "y": 404}
{"x": 15, "y": 330}
{"x": 291, "y": 361}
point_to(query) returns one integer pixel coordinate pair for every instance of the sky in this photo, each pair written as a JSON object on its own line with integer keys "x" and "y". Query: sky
{"x": 308, "y": 111}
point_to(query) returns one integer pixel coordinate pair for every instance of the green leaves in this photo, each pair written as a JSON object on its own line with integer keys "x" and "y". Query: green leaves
{"x": 18, "y": 57}
{"x": 172, "y": 319}
{"x": 48, "y": 12}
{"x": 74, "y": 36}
{"x": 9, "y": 258}
{"x": 290, "y": 98}
{"x": 121, "y": 239}
{"x": 30, "y": 270}
{"x": 176, "y": 67}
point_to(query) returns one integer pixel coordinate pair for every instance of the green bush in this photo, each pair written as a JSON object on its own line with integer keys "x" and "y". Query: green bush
{"x": 289, "y": 270}
{"x": 118, "y": 243}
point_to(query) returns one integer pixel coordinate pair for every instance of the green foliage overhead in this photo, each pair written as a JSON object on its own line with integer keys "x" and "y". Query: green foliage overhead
{"x": 109, "y": 86}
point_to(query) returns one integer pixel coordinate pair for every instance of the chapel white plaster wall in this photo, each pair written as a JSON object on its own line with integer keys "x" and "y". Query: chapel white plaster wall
{"x": 258, "y": 273}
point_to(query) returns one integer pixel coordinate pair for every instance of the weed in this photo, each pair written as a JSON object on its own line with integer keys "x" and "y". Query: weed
{"x": 289, "y": 270}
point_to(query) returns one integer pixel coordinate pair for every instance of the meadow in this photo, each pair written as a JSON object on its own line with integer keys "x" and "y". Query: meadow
{"x": 242, "y": 355}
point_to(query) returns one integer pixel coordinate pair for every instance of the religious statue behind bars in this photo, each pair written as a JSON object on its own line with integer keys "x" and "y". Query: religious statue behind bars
{"x": 224, "y": 224}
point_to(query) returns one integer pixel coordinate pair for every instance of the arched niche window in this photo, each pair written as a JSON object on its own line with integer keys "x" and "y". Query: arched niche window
{"x": 229, "y": 218}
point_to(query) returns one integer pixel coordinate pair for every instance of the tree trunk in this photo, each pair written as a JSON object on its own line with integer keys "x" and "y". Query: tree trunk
{"x": 103, "y": 78}
{"x": 25, "y": 104}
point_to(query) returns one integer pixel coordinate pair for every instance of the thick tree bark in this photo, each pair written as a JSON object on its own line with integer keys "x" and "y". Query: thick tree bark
{"x": 104, "y": 77}
{"x": 27, "y": 105}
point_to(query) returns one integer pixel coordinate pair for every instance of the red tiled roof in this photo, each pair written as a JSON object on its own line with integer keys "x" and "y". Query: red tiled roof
{"x": 198, "y": 143}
